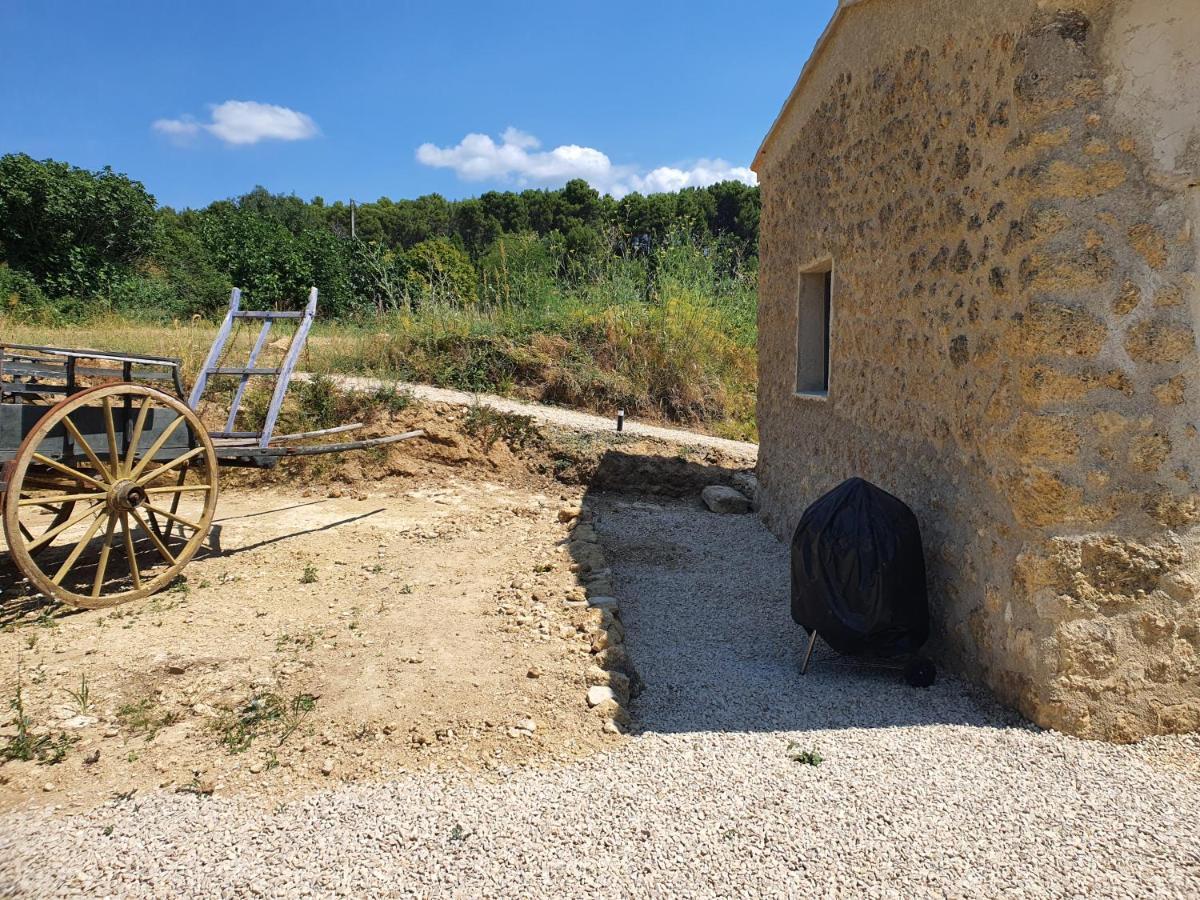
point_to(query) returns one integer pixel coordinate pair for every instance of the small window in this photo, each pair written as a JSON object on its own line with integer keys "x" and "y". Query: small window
{"x": 812, "y": 333}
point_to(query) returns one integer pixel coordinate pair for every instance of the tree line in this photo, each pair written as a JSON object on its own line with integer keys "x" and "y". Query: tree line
{"x": 73, "y": 241}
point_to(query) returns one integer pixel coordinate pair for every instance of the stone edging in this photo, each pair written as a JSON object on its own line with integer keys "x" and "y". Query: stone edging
{"x": 612, "y": 679}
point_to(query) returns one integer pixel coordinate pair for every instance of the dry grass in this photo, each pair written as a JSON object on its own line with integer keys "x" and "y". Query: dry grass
{"x": 679, "y": 361}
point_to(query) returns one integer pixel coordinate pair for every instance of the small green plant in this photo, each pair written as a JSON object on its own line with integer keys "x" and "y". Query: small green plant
{"x": 82, "y": 696}
{"x": 309, "y": 576}
{"x": 145, "y": 718}
{"x": 391, "y": 399}
{"x": 47, "y": 749}
{"x": 264, "y": 714}
{"x": 796, "y": 753}
{"x": 407, "y": 589}
{"x": 491, "y": 425}
{"x": 317, "y": 401}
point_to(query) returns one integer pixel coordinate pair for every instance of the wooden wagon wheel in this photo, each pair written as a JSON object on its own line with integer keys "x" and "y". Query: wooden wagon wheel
{"x": 57, "y": 513}
{"x": 99, "y": 549}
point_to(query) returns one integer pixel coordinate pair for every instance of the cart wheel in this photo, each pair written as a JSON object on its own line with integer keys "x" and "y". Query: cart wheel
{"x": 920, "y": 672}
{"x": 84, "y": 482}
{"x": 55, "y": 515}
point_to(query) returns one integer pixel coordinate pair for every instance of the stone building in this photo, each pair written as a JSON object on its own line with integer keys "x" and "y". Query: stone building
{"x": 979, "y": 290}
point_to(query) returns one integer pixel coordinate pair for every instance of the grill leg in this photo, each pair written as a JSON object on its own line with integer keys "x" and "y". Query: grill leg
{"x": 812, "y": 642}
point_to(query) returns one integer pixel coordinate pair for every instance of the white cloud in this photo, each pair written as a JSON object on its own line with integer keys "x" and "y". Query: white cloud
{"x": 180, "y": 129}
{"x": 518, "y": 157}
{"x": 241, "y": 122}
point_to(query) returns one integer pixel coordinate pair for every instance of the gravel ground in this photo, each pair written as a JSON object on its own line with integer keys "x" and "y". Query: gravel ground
{"x": 919, "y": 793}
{"x": 554, "y": 415}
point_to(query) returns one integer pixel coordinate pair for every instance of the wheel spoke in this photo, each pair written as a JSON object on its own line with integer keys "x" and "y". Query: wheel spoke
{"x": 154, "y": 539}
{"x": 59, "y": 529}
{"x": 156, "y": 446}
{"x": 102, "y": 566}
{"x": 48, "y": 502}
{"x": 86, "y": 447}
{"x": 172, "y": 516}
{"x": 130, "y": 552}
{"x": 67, "y": 470}
{"x": 178, "y": 488}
{"x": 25, "y": 531}
{"x": 131, "y": 453}
{"x": 114, "y": 452}
{"x": 83, "y": 542}
{"x": 167, "y": 467}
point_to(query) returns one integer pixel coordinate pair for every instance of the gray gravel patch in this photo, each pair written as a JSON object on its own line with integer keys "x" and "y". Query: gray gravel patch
{"x": 937, "y": 792}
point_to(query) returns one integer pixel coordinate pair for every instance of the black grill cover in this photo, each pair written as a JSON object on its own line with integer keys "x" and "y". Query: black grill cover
{"x": 858, "y": 572}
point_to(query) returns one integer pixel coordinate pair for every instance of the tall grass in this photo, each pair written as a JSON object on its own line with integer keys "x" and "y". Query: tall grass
{"x": 682, "y": 352}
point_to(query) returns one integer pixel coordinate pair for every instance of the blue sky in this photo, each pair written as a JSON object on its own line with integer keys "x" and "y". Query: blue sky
{"x": 204, "y": 100}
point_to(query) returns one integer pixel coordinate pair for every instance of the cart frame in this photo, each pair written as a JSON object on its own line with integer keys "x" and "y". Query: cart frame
{"x": 108, "y": 447}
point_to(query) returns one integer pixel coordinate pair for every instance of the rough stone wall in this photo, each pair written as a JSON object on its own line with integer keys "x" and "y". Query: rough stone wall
{"x": 1008, "y": 192}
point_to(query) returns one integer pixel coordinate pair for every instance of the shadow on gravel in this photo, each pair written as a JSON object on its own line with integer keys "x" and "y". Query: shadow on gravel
{"x": 705, "y": 602}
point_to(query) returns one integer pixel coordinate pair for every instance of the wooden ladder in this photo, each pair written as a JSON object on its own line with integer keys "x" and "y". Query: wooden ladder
{"x": 282, "y": 374}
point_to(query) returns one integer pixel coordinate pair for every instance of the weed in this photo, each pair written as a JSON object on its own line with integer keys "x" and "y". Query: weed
{"x": 31, "y": 640}
{"x": 264, "y": 714}
{"x": 47, "y": 749}
{"x": 391, "y": 399}
{"x": 309, "y": 576}
{"x": 83, "y": 696}
{"x": 806, "y": 757}
{"x": 491, "y": 425}
{"x": 145, "y": 718}
{"x": 304, "y": 640}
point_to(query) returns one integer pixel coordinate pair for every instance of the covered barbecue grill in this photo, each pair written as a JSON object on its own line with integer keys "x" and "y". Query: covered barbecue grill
{"x": 858, "y": 577}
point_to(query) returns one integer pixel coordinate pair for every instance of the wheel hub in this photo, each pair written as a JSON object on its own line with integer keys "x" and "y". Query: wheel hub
{"x": 126, "y": 496}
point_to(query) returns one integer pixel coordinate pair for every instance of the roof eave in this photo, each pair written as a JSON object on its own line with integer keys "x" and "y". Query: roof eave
{"x": 809, "y": 65}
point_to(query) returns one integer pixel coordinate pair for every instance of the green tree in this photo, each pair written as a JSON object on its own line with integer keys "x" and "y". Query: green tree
{"x": 439, "y": 271}
{"x": 75, "y": 231}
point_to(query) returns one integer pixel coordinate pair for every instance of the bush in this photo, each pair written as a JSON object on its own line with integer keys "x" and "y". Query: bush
{"x": 21, "y": 298}
{"x": 439, "y": 272}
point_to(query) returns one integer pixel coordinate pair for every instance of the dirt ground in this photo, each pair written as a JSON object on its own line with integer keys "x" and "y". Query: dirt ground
{"x": 387, "y": 612}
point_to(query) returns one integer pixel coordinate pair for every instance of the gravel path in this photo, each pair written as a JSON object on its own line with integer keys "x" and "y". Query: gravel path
{"x": 919, "y": 793}
{"x": 552, "y": 415}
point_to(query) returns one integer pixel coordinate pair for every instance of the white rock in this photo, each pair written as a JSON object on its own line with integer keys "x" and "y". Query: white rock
{"x": 79, "y": 722}
{"x": 721, "y": 499}
{"x": 603, "y": 602}
{"x": 327, "y": 766}
{"x": 599, "y": 693}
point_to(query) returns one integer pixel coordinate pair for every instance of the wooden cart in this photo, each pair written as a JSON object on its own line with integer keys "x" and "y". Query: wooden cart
{"x": 108, "y": 478}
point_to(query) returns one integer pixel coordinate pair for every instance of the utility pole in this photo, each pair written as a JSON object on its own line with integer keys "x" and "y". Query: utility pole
{"x": 352, "y": 234}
